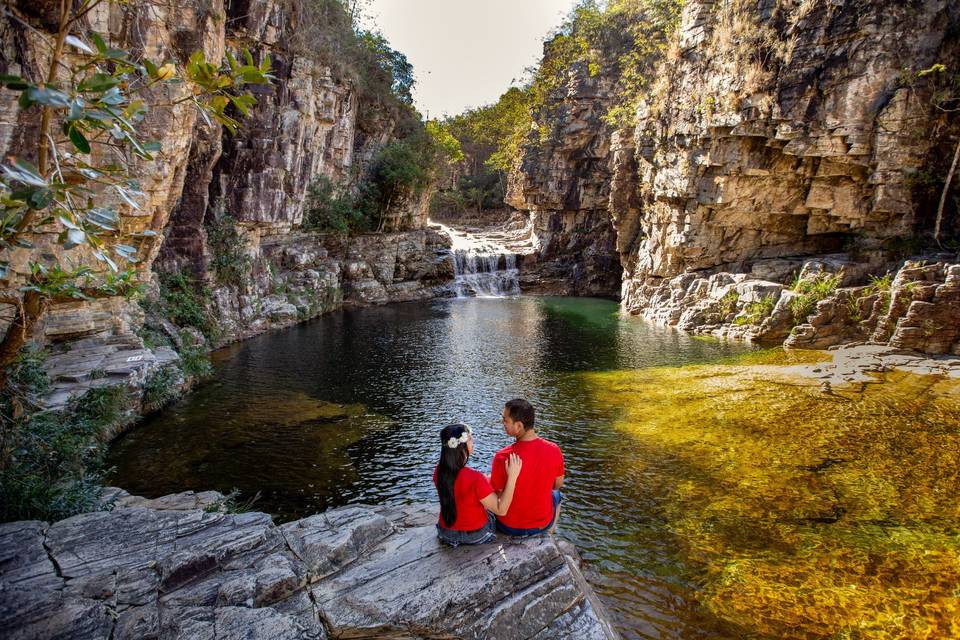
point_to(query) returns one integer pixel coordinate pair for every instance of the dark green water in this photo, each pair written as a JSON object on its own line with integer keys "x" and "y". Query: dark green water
{"x": 347, "y": 408}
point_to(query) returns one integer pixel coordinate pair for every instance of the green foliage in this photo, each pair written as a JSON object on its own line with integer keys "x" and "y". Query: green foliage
{"x": 194, "y": 359}
{"x": 756, "y": 312}
{"x": 621, "y": 38}
{"x": 160, "y": 388}
{"x": 52, "y": 461}
{"x": 494, "y": 134}
{"x": 329, "y": 209}
{"x": 812, "y": 290}
{"x": 400, "y": 170}
{"x": 186, "y": 302}
{"x": 728, "y": 304}
{"x": 80, "y": 283}
{"x": 447, "y": 145}
{"x": 231, "y": 263}
{"x": 881, "y": 284}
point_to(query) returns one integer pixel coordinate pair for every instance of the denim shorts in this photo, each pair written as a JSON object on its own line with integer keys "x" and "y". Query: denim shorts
{"x": 510, "y": 531}
{"x": 454, "y": 538}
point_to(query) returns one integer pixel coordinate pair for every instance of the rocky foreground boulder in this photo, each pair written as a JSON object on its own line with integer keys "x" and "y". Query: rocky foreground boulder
{"x": 168, "y": 568}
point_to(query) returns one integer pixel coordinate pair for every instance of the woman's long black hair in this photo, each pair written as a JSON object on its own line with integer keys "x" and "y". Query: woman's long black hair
{"x": 452, "y": 460}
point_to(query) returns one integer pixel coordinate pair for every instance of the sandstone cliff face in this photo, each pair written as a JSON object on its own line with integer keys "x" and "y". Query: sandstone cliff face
{"x": 780, "y": 130}
{"x": 563, "y": 184}
{"x": 304, "y": 125}
{"x": 170, "y": 30}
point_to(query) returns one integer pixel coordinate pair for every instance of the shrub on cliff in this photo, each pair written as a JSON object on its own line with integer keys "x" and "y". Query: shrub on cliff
{"x": 399, "y": 172}
{"x": 328, "y": 33}
{"x": 330, "y": 209}
{"x": 52, "y": 462}
{"x": 230, "y": 262}
{"x": 812, "y": 290}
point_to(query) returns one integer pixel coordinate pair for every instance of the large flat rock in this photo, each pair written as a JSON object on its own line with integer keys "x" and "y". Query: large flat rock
{"x": 159, "y": 569}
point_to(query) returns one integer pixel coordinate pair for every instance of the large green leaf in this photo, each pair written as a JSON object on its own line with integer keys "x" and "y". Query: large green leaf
{"x": 14, "y": 83}
{"x": 47, "y": 96}
{"x": 79, "y": 140}
{"x": 98, "y": 82}
{"x": 26, "y": 173}
{"x": 72, "y": 238}
{"x": 40, "y": 198}
{"x": 103, "y": 218}
{"x": 76, "y": 109}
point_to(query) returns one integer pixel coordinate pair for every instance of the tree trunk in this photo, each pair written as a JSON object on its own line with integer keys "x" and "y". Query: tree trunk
{"x": 943, "y": 196}
{"x": 28, "y": 313}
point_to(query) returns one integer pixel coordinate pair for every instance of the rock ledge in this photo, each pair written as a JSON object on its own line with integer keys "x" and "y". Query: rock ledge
{"x": 166, "y": 569}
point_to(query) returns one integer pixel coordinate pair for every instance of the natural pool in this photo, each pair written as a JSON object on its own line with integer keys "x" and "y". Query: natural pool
{"x": 709, "y": 498}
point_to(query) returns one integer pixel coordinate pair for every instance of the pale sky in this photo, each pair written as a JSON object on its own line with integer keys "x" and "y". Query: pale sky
{"x": 465, "y": 53}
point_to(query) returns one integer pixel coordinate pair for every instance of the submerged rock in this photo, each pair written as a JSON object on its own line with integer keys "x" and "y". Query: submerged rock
{"x": 161, "y": 569}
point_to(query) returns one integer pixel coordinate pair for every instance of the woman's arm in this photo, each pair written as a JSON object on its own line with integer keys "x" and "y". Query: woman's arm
{"x": 501, "y": 504}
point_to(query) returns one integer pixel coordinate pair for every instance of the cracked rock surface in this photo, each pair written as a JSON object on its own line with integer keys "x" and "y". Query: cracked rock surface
{"x": 164, "y": 568}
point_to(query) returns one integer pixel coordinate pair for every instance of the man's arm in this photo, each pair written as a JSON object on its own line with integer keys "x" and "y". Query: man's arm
{"x": 558, "y": 482}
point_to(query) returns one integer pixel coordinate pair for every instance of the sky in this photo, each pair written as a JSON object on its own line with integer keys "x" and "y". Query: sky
{"x": 465, "y": 53}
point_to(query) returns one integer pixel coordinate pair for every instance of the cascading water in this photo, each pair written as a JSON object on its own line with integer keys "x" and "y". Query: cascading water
{"x": 482, "y": 267}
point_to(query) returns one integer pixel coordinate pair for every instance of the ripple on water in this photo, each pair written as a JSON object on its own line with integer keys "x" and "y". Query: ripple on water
{"x": 701, "y": 498}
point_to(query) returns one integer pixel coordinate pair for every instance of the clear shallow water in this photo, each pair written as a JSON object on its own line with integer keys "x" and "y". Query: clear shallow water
{"x": 690, "y": 487}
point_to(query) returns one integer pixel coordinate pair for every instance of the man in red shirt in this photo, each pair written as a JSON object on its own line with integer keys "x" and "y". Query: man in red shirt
{"x": 536, "y": 499}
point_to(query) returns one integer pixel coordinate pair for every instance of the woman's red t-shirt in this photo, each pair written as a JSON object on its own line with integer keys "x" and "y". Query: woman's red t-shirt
{"x": 469, "y": 489}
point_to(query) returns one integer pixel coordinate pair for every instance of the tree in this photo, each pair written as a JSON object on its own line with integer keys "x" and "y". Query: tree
{"x": 393, "y": 63}
{"x": 90, "y": 102}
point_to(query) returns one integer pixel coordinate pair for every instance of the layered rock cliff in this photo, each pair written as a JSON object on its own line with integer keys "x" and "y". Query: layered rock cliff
{"x": 562, "y": 182}
{"x": 784, "y": 130}
{"x": 227, "y": 209}
{"x": 776, "y": 140}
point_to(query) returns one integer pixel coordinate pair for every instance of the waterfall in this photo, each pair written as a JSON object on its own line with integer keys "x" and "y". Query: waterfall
{"x": 482, "y": 267}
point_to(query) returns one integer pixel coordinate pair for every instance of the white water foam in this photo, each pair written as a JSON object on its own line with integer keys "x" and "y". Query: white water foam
{"x": 483, "y": 268}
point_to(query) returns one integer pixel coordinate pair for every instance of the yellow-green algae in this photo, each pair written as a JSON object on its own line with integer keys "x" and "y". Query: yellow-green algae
{"x": 805, "y": 514}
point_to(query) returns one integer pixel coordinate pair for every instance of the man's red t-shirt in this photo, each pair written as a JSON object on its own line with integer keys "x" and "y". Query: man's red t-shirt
{"x": 532, "y": 506}
{"x": 469, "y": 489}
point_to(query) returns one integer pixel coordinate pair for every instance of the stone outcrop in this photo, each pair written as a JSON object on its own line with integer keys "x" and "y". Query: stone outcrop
{"x": 919, "y": 310}
{"x": 179, "y": 567}
{"x": 297, "y": 276}
{"x": 778, "y": 132}
{"x": 563, "y": 184}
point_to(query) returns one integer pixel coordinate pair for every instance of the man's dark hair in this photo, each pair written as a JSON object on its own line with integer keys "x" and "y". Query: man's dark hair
{"x": 520, "y": 410}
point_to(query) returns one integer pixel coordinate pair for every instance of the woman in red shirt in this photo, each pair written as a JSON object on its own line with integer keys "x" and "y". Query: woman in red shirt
{"x": 468, "y": 504}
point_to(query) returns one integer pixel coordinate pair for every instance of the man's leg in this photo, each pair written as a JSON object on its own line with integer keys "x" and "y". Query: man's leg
{"x": 556, "y": 509}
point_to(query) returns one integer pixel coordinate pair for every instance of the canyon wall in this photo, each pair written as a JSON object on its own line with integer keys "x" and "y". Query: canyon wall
{"x": 562, "y": 182}
{"x": 778, "y": 141}
{"x": 209, "y": 191}
{"x": 781, "y": 132}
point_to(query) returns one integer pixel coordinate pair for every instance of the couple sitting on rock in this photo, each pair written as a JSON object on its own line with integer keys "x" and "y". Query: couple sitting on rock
{"x": 520, "y": 497}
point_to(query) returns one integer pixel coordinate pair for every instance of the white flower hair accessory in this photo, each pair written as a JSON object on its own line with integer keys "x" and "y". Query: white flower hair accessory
{"x": 453, "y": 443}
